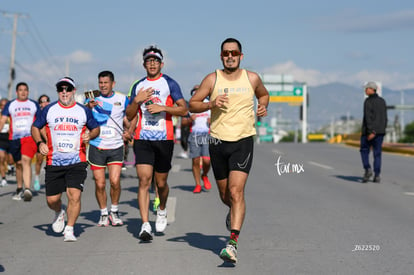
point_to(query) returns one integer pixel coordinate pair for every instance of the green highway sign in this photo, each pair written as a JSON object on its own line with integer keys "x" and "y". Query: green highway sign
{"x": 296, "y": 91}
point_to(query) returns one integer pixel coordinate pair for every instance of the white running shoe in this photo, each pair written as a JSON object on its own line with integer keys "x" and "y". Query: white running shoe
{"x": 103, "y": 221}
{"x": 161, "y": 221}
{"x": 145, "y": 234}
{"x": 229, "y": 254}
{"x": 69, "y": 236}
{"x": 114, "y": 218}
{"x": 18, "y": 196}
{"x": 3, "y": 183}
{"x": 27, "y": 195}
{"x": 58, "y": 223}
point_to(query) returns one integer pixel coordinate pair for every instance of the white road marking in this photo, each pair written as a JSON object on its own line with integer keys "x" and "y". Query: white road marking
{"x": 171, "y": 205}
{"x": 176, "y": 168}
{"x": 277, "y": 152}
{"x": 409, "y": 193}
{"x": 320, "y": 165}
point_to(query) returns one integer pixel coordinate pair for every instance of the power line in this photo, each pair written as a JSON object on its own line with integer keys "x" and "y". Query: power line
{"x": 42, "y": 45}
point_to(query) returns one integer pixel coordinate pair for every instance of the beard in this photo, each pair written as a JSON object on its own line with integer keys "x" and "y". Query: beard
{"x": 68, "y": 100}
{"x": 232, "y": 67}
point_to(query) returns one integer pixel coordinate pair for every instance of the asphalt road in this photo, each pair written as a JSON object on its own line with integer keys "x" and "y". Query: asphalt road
{"x": 318, "y": 218}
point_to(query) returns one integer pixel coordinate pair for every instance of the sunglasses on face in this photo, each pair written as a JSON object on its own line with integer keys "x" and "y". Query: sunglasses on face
{"x": 44, "y": 100}
{"x": 64, "y": 88}
{"x": 232, "y": 52}
{"x": 152, "y": 60}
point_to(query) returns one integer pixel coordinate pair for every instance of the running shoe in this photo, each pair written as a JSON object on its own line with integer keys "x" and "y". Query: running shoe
{"x": 156, "y": 204}
{"x": 229, "y": 253}
{"x": 145, "y": 234}
{"x": 58, "y": 223}
{"x": 36, "y": 185}
{"x": 103, "y": 221}
{"x": 161, "y": 221}
{"x": 207, "y": 184}
{"x": 18, "y": 196}
{"x": 228, "y": 221}
{"x": 27, "y": 195}
{"x": 377, "y": 179}
{"x": 197, "y": 189}
{"x": 3, "y": 183}
{"x": 114, "y": 218}
{"x": 69, "y": 236}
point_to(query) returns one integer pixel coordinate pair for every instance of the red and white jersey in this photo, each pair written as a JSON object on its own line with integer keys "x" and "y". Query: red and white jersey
{"x": 21, "y": 114}
{"x": 64, "y": 128}
{"x": 156, "y": 126}
{"x": 201, "y": 125}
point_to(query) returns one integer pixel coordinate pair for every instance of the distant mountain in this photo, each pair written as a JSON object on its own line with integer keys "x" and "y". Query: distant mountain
{"x": 334, "y": 101}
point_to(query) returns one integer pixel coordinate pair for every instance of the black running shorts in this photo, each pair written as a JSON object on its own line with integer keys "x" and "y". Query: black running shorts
{"x": 157, "y": 153}
{"x": 58, "y": 178}
{"x": 229, "y": 156}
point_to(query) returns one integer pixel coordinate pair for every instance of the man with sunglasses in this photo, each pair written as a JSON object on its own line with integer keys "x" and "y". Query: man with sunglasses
{"x": 231, "y": 91}
{"x": 22, "y": 111}
{"x": 156, "y": 97}
{"x": 70, "y": 126}
{"x": 107, "y": 150}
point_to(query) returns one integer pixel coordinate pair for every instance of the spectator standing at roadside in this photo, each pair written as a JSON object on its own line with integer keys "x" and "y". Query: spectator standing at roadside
{"x": 374, "y": 124}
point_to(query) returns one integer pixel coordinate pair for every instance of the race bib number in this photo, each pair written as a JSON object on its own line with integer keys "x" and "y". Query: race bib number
{"x": 67, "y": 145}
{"x": 20, "y": 125}
{"x": 107, "y": 132}
{"x": 153, "y": 124}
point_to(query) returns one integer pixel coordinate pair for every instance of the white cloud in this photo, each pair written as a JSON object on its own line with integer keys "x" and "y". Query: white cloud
{"x": 80, "y": 57}
{"x": 350, "y": 21}
{"x": 312, "y": 77}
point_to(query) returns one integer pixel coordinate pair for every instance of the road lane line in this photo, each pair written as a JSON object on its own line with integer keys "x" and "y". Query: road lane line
{"x": 175, "y": 168}
{"x": 320, "y": 165}
{"x": 277, "y": 152}
{"x": 171, "y": 205}
{"x": 409, "y": 193}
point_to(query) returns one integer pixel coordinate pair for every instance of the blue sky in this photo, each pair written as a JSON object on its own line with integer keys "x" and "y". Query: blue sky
{"x": 316, "y": 41}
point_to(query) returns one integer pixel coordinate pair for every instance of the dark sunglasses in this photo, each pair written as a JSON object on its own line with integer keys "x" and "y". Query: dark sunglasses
{"x": 232, "y": 52}
{"x": 63, "y": 88}
{"x": 152, "y": 60}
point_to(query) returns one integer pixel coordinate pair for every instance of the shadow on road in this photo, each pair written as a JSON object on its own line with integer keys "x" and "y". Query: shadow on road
{"x": 349, "y": 178}
{"x": 78, "y": 229}
{"x": 188, "y": 188}
{"x": 133, "y": 226}
{"x": 212, "y": 243}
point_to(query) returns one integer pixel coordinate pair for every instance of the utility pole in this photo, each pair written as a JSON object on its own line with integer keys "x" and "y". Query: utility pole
{"x": 12, "y": 74}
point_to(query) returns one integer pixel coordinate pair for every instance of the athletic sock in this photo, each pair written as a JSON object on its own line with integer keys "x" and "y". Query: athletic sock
{"x": 104, "y": 212}
{"x": 114, "y": 208}
{"x": 234, "y": 236}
